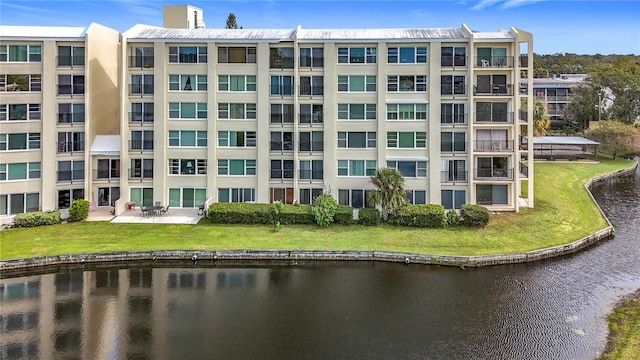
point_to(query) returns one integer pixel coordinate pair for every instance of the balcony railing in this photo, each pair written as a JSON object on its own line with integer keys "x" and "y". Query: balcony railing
{"x": 453, "y": 89}
{"x": 523, "y": 116}
{"x": 141, "y": 89}
{"x": 311, "y": 118}
{"x": 70, "y": 61}
{"x": 453, "y": 147}
{"x": 70, "y": 175}
{"x": 280, "y": 118}
{"x": 524, "y": 61}
{"x": 141, "y": 62}
{"x": 310, "y": 174}
{"x": 140, "y": 174}
{"x": 281, "y": 90}
{"x": 493, "y": 145}
{"x": 141, "y": 145}
{"x": 494, "y": 62}
{"x": 493, "y": 89}
{"x": 453, "y": 61}
{"x": 491, "y": 117}
{"x": 70, "y": 147}
{"x": 279, "y": 62}
{"x": 310, "y": 90}
{"x": 524, "y": 170}
{"x": 311, "y": 146}
{"x": 71, "y": 118}
{"x": 106, "y": 174}
{"x": 281, "y": 174}
{"x": 493, "y": 174}
{"x": 453, "y": 119}
{"x": 454, "y": 176}
{"x": 71, "y": 89}
{"x": 140, "y": 117}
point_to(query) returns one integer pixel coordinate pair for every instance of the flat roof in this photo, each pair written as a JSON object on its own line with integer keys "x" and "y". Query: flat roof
{"x": 40, "y": 32}
{"x": 563, "y": 140}
{"x": 108, "y": 145}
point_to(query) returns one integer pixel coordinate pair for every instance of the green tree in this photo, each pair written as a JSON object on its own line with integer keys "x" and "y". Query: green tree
{"x": 231, "y": 22}
{"x": 616, "y": 137}
{"x": 621, "y": 78}
{"x": 583, "y": 106}
{"x": 389, "y": 193}
{"x": 541, "y": 120}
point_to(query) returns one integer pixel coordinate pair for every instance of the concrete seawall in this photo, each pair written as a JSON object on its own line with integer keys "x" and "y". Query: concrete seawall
{"x": 294, "y": 256}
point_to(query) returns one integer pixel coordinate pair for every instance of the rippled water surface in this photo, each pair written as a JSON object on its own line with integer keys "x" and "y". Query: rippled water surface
{"x": 547, "y": 310}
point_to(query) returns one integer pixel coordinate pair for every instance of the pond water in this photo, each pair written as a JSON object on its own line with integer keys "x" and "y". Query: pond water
{"x": 553, "y": 309}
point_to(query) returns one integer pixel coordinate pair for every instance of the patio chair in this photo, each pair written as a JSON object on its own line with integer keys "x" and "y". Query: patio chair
{"x": 164, "y": 210}
{"x": 144, "y": 213}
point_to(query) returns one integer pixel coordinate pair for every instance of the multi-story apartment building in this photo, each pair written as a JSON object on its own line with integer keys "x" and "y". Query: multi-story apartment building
{"x": 555, "y": 92}
{"x": 263, "y": 115}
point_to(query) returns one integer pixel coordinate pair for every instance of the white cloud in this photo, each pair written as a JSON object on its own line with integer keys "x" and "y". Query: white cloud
{"x": 483, "y": 4}
{"x": 506, "y": 4}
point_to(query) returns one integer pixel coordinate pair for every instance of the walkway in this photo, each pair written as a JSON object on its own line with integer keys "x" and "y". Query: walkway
{"x": 175, "y": 216}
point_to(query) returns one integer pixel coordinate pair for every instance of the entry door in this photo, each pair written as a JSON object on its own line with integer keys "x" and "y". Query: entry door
{"x": 107, "y": 196}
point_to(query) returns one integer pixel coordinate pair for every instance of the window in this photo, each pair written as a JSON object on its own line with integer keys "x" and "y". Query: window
{"x": 187, "y": 138}
{"x": 492, "y": 85}
{"x": 311, "y": 141}
{"x": 20, "y": 112}
{"x": 281, "y": 141}
{"x": 187, "y": 167}
{"x": 236, "y": 167}
{"x": 70, "y": 170}
{"x": 452, "y": 85}
{"x": 20, "y": 82}
{"x": 19, "y": 141}
{"x": 356, "y": 83}
{"x": 307, "y": 195}
{"x": 236, "y": 194}
{"x": 453, "y": 142}
{"x": 454, "y": 171}
{"x": 70, "y": 55}
{"x": 70, "y": 84}
{"x": 406, "y": 111}
{"x": 453, "y": 56}
{"x": 357, "y": 111}
{"x": 65, "y": 197}
{"x": 20, "y": 53}
{"x": 410, "y": 169}
{"x": 187, "y": 82}
{"x": 141, "y": 140}
{"x": 311, "y": 57}
{"x": 281, "y": 58}
{"x": 285, "y": 195}
{"x": 492, "y": 57}
{"x": 453, "y": 113}
{"x": 235, "y": 111}
{"x": 141, "y": 57}
{"x": 187, "y": 197}
{"x": 141, "y": 196}
{"x": 311, "y": 170}
{"x": 356, "y": 55}
{"x": 70, "y": 113}
{"x": 355, "y": 198}
{"x": 281, "y": 114}
{"x": 236, "y": 55}
{"x": 407, "y": 83}
{"x": 142, "y": 112}
{"x": 11, "y": 204}
{"x": 20, "y": 171}
{"x": 141, "y": 85}
{"x": 356, "y": 140}
{"x": 493, "y": 112}
{"x": 311, "y": 114}
{"x": 281, "y": 85}
{"x": 141, "y": 169}
{"x": 108, "y": 169}
{"x": 281, "y": 169}
{"x": 236, "y": 83}
{"x": 356, "y": 167}
{"x": 70, "y": 141}
{"x": 453, "y": 199}
{"x": 406, "y": 55}
{"x": 187, "y": 54}
{"x": 236, "y": 139}
{"x": 493, "y": 140}
{"x": 406, "y": 140}
{"x": 416, "y": 196}
{"x": 311, "y": 85}
{"x": 492, "y": 195}
{"x": 188, "y": 111}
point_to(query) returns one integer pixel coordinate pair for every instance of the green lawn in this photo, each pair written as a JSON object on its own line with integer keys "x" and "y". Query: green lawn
{"x": 624, "y": 331}
{"x": 564, "y": 212}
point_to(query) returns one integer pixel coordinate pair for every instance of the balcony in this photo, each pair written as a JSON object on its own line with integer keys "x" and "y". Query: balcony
{"x": 453, "y": 147}
{"x": 493, "y": 89}
{"x": 311, "y": 146}
{"x": 497, "y": 174}
{"x": 70, "y": 147}
{"x": 70, "y": 61}
{"x": 493, "y": 117}
{"x": 70, "y": 176}
{"x": 454, "y": 176}
{"x": 277, "y": 174}
{"x": 279, "y": 62}
{"x": 71, "y": 118}
{"x": 494, "y": 62}
{"x": 453, "y": 89}
{"x": 106, "y": 175}
{"x": 524, "y": 170}
{"x": 453, "y": 61}
{"x": 309, "y": 90}
{"x": 141, "y": 145}
{"x": 141, "y": 89}
{"x": 140, "y": 174}
{"x": 280, "y": 118}
{"x": 453, "y": 119}
{"x": 68, "y": 89}
{"x": 524, "y": 61}
{"x": 310, "y": 174}
{"x": 281, "y": 90}
{"x": 140, "y": 118}
{"x": 140, "y": 62}
{"x": 493, "y": 145}
{"x": 523, "y": 116}
{"x": 311, "y": 118}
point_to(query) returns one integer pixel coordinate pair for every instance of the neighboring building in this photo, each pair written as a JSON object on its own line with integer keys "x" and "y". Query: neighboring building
{"x": 200, "y": 114}
{"x": 555, "y": 92}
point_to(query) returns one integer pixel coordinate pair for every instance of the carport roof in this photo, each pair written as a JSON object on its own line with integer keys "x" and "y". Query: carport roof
{"x": 563, "y": 140}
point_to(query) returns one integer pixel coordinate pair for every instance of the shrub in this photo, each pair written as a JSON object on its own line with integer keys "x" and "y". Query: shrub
{"x": 453, "y": 219}
{"x": 79, "y": 210}
{"x": 324, "y": 209}
{"x": 423, "y": 215}
{"x": 297, "y": 214}
{"x": 369, "y": 217}
{"x": 344, "y": 215}
{"x": 276, "y": 214}
{"x": 239, "y": 213}
{"x": 37, "y": 218}
{"x": 474, "y": 215}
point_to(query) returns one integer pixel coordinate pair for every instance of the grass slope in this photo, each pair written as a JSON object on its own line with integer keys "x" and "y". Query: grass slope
{"x": 564, "y": 213}
{"x": 624, "y": 330}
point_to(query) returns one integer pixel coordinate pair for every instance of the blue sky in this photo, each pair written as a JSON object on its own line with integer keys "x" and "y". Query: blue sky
{"x": 582, "y": 27}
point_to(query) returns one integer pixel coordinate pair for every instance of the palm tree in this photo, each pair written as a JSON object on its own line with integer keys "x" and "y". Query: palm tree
{"x": 389, "y": 193}
{"x": 541, "y": 120}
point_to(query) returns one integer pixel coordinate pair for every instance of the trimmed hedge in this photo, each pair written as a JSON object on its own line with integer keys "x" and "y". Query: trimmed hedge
{"x": 297, "y": 214}
{"x": 422, "y": 215}
{"x": 245, "y": 213}
{"x": 79, "y": 210}
{"x": 369, "y": 217}
{"x": 344, "y": 215}
{"x": 474, "y": 215}
{"x": 37, "y": 218}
